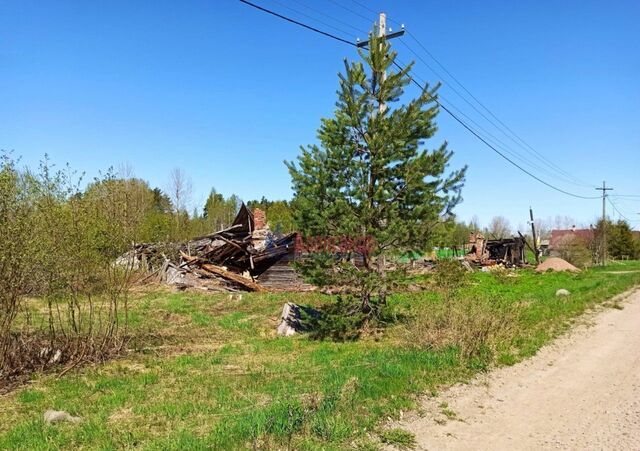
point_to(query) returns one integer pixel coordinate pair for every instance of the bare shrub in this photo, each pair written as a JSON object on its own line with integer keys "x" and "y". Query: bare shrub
{"x": 575, "y": 251}
{"x": 15, "y": 247}
{"x": 472, "y": 324}
{"x": 60, "y": 245}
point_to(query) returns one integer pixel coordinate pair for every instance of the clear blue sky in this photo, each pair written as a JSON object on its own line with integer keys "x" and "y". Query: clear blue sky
{"x": 227, "y": 92}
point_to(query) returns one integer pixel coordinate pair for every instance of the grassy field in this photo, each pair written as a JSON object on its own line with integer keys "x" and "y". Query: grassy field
{"x": 210, "y": 373}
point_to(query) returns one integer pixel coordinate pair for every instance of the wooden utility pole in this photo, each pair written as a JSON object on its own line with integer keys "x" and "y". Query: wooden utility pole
{"x": 604, "y": 190}
{"x": 535, "y": 238}
{"x": 382, "y": 31}
{"x": 382, "y": 107}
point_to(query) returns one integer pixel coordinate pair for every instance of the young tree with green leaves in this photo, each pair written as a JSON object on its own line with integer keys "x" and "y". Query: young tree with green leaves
{"x": 371, "y": 178}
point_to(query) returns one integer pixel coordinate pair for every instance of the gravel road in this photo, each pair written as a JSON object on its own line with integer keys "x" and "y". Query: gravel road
{"x": 581, "y": 393}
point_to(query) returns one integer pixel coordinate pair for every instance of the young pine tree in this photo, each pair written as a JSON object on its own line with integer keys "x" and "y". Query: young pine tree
{"x": 371, "y": 179}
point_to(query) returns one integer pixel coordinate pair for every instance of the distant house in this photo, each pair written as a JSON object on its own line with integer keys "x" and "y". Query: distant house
{"x": 560, "y": 238}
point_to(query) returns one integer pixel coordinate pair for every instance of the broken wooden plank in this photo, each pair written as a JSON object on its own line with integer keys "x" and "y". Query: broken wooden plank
{"x": 240, "y": 280}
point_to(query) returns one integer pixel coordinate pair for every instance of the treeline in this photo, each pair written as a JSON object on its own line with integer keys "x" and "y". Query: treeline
{"x": 163, "y": 216}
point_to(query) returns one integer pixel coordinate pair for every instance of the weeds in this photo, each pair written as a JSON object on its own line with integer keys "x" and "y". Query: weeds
{"x": 400, "y": 438}
{"x": 447, "y": 412}
{"x": 472, "y": 325}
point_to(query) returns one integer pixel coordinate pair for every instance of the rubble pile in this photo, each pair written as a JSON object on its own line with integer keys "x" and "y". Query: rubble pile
{"x": 232, "y": 259}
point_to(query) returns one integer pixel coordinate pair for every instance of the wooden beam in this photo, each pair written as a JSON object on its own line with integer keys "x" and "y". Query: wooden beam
{"x": 240, "y": 280}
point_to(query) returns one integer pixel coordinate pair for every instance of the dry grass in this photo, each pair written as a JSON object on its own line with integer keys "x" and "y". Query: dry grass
{"x": 472, "y": 325}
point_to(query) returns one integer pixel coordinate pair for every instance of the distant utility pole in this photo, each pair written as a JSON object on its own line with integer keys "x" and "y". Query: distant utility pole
{"x": 535, "y": 238}
{"x": 604, "y": 190}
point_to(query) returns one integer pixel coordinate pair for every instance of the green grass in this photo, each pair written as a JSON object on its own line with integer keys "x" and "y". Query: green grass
{"x": 216, "y": 376}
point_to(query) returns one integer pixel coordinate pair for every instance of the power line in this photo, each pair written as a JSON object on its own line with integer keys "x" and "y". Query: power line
{"x": 626, "y": 195}
{"x": 570, "y": 178}
{"x": 488, "y": 135}
{"x": 507, "y": 158}
{"x": 308, "y": 27}
{"x": 328, "y": 16}
{"x": 501, "y": 144}
{"x": 616, "y": 210}
{"x": 522, "y": 141}
{"x": 460, "y": 121}
{"x": 340, "y": 30}
{"x": 364, "y": 6}
{"x": 558, "y": 171}
{"x": 346, "y": 8}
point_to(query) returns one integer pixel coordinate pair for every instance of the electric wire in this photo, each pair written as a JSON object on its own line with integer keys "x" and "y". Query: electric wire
{"x": 521, "y": 141}
{"x": 487, "y": 135}
{"x": 362, "y": 5}
{"x": 346, "y": 8}
{"x": 558, "y": 172}
{"x": 293, "y": 21}
{"x": 618, "y": 211}
{"x": 340, "y": 30}
{"x": 371, "y": 10}
{"x": 329, "y": 16}
{"x": 434, "y": 98}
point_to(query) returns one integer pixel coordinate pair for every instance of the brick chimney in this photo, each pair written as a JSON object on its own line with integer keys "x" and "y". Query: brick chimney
{"x": 259, "y": 219}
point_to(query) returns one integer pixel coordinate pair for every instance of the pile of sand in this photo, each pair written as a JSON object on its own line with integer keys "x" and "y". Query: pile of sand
{"x": 556, "y": 264}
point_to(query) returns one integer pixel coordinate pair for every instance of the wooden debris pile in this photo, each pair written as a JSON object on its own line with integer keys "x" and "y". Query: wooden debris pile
{"x": 232, "y": 259}
{"x": 509, "y": 252}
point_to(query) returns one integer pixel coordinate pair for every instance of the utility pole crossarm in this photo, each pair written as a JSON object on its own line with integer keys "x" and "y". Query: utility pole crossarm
{"x": 395, "y": 34}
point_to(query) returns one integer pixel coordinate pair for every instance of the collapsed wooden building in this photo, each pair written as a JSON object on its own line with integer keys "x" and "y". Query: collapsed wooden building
{"x": 247, "y": 256}
{"x": 507, "y": 251}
